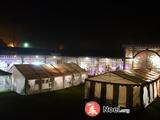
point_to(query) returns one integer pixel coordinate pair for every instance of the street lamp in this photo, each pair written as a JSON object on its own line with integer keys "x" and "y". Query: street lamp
{"x": 26, "y": 45}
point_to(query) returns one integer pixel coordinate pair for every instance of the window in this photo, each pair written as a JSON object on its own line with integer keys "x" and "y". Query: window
{"x": 37, "y": 82}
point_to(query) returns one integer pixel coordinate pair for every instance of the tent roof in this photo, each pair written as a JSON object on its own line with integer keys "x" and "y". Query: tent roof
{"x": 50, "y": 69}
{"x": 73, "y": 67}
{"x": 4, "y": 73}
{"x": 112, "y": 79}
{"x": 30, "y": 71}
{"x": 62, "y": 69}
{"x": 135, "y": 77}
{"x": 148, "y": 75}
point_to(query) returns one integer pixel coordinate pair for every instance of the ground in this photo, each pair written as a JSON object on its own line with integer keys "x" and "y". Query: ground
{"x": 65, "y": 104}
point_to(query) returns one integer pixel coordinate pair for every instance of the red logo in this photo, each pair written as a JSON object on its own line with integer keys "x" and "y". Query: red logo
{"x": 92, "y": 108}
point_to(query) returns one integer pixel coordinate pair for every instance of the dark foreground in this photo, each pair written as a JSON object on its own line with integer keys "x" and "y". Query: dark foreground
{"x": 65, "y": 104}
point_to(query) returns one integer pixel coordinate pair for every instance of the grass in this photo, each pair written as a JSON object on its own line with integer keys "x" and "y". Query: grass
{"x": 67, "y": 104}
{"x": 62, "y": 104}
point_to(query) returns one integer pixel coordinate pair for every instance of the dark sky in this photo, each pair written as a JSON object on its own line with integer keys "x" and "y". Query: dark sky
{"x": 80, "y": 25}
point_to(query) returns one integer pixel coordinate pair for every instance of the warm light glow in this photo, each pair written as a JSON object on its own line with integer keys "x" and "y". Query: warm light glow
{"x": 48, "y": 65}
{"x": 136, "y": 59}
{"x": 10, "y": 45}
{"x": 148, "y": 80}
{"x": 106, "y": 59}
{"x": 155, "y": 60}
{"x": 84, "y": 66}
{"x": 54, "y": 57}
{"x": 131, "y": 59}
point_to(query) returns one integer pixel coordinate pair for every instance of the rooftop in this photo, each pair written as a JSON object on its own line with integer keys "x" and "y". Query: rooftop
{"x": 4, "y": 73}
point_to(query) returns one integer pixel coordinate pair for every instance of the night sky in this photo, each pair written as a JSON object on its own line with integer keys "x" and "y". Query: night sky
{"x": 80, "y": 26}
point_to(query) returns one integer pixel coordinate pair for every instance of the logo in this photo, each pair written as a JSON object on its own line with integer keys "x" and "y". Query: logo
{"x": 92, "y": 108}
{"x": 107, "y": 109}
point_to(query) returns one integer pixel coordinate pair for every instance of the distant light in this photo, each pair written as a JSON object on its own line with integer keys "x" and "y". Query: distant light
{"x": 3, "y": 64}
{"x": 37, "y": 56}
{"x": 131, "y": 59}
{"x": 106, "y": 59}
{"x": 10, "y": 45}
{"x": 84, "y": 66}
{"x": 155, "y": 60}
{"x": 54, "y": 57}
{"x": 148, "y": 80}
{"x": 26, "y": 45}
{"x": 15, "y": 56}
{"x": 37, "y": 63}
{"x": 87, "y": 58}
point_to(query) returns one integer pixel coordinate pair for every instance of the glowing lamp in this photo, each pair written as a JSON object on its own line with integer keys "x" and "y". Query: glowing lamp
{"x": 26, "y": 45}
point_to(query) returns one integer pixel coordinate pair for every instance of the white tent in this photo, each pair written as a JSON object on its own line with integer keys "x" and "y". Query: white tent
{"x": 82, "y": 71}
{"x": 5, "y": 81}
{"x": 76, "y": 75}
{"x": 66, "y": 74}
{"x": 31, "y": 79}
{"x": 55, "y": 76}
{"x": 129, "y": 89}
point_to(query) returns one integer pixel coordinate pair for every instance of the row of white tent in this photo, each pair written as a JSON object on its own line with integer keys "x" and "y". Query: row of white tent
{"x": 31, "y": 79}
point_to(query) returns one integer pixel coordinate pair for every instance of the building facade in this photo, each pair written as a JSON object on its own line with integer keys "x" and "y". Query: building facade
{"x": 142, "y": 56}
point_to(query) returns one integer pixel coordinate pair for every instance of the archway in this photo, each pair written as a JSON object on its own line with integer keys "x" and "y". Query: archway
{"x": 147, "y": 59}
